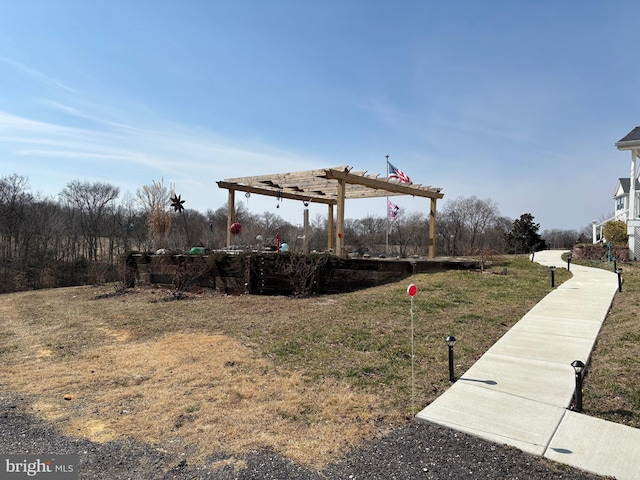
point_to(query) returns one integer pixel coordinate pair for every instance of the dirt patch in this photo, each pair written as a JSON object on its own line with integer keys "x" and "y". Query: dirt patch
{"x": 205, "y": 391}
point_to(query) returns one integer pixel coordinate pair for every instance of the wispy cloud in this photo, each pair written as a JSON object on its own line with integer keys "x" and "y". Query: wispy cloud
{"x": 160, "y": 146}
{"x": 20, "y": 67}
{"x": 383, "y": 108}
{"x": 69, "y": 154}
{"x": 121, "y": 141}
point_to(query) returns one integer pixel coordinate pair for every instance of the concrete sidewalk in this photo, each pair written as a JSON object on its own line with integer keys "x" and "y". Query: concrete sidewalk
{"x": 518, "y": 392}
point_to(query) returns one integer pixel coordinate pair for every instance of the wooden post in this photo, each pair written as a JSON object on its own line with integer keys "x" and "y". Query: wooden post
{"x": 231, "y": 214}
{"x": 432, "y": 230}
{"x": 305, "y": 242}
{"x": 330, "y": 234}
{"x": 340, "y": 220}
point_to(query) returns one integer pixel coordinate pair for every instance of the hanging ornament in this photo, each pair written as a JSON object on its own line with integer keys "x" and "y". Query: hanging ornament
{"x": 235, "y": 228}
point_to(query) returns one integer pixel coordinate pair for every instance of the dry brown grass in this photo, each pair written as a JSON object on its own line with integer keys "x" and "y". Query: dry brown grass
{"x": 308, "y": 378}
{"x": 207, "y": 392}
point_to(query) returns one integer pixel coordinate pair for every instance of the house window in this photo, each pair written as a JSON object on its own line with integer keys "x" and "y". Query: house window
{"x": 619, "y": 203}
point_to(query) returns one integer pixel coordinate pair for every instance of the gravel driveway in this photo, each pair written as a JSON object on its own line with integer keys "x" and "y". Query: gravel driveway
{"x": 416, "y": 451}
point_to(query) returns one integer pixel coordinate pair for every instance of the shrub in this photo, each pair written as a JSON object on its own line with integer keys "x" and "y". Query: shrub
{"x": 616, "y": 232}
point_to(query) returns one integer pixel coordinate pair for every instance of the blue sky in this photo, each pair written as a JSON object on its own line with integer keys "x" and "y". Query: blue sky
{"x": 519, "y": 102}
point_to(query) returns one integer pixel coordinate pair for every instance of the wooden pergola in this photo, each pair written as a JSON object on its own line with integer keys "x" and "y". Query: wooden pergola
{"x": 331, "y": 186}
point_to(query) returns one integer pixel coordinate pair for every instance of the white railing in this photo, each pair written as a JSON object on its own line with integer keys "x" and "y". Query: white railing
{"x": 597, "y": 227}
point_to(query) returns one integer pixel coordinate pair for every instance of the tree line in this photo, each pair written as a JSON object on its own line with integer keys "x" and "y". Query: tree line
{"x": 81, "y": 236}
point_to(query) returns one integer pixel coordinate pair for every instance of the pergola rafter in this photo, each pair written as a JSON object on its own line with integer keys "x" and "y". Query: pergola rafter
{"x": 329, "y": 186}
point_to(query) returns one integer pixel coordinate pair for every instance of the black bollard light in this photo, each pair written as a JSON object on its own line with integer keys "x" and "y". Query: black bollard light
{"x": 619, "y": 272}
{"x": 569, "y": 261}
{"x": 578, "y": 368}
{"x": 552, "y": 269}
{"x": 451, "y": 341}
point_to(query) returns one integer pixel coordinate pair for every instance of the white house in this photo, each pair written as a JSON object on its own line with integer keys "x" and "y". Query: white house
{"x": 627, "y": 196}
{"x": 621, "y": 198}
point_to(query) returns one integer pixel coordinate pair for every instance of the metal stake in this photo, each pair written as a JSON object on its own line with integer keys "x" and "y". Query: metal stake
{"x": 413, "y": 379}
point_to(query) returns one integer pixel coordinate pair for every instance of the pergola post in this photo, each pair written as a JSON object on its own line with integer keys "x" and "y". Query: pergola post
{"x": 432, "y": 230}
{"x": 330, "y": 234}
{"x": 305, "y": 242}
{"x": 340, "y": 220}
{"x": 231, "y": 214}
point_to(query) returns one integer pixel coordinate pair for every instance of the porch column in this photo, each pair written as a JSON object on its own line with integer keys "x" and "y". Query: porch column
{"x": 632, "y": 217}
{"x": 632, "y": 186}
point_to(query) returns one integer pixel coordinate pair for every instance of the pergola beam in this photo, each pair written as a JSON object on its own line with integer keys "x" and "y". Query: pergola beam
{"x": 386, "y": 185}
{"x": 285, "y": 177}
{"x": 277, "y": 193}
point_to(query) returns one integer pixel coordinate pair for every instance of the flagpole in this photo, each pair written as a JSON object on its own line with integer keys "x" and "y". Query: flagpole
{"x": 386, "y": 249}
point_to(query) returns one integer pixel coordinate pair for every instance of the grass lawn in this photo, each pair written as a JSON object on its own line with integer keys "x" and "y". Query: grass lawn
{"x": 310, "y": 378}
{"x": 612, "y": 384}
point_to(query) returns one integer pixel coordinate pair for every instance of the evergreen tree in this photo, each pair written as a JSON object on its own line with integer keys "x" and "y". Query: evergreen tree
{"x": 523, "y": 236}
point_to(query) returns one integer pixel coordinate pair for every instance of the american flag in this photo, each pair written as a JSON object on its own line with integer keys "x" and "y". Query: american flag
{"x": 398, "y": 174}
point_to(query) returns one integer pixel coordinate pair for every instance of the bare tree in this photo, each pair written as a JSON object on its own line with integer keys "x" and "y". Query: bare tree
{"x": 318, "y": 233}
{"x": 479, "y": 215}
{"x": 46, "y": 228}
{"x": 407, "y": 231}
{"x": 372, "y": 231}
{"x": 451, "y": 224}
{"x": 557, "y": 238}
{"x": 194, "y": 228}
{"x": 155, "y": 201}
{"x": 130, "y": 221}
{"x": 465, "y": 224}
{"x": 93, "y": 202}
{"x": 14, "y": 198}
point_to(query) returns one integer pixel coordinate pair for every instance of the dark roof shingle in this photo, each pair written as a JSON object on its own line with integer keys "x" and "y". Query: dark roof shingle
{"x": 632, "y": 136}
{"x": 625, "y": 184}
